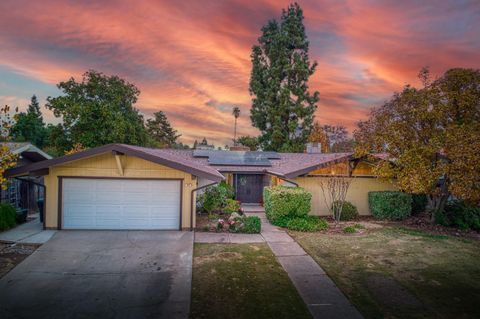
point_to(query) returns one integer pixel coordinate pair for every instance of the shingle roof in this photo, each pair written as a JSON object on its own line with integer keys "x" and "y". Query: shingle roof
{"x": 25, "y": 147}
{"x": 289, "y": 165}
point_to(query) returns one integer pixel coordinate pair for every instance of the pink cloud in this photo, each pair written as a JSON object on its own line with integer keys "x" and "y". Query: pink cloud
{"x": 185, "y": 54}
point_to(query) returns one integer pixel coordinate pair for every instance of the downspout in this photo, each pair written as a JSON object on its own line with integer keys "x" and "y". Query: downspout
{"x": 193, "y": 204}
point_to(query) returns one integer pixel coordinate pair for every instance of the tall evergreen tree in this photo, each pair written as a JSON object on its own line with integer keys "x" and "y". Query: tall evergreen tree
{"x": 29, "y": 126}
{"x": 160, "y": 130}
{"x": 282, "y": 107}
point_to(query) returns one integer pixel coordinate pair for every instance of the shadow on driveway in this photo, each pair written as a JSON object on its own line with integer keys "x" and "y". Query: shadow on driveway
{"x": 103, "y": 274}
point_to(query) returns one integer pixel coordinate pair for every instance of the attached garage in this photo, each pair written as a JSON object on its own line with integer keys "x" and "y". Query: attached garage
{"x": 120, "y": 187}
{"x": 93, "y": 203}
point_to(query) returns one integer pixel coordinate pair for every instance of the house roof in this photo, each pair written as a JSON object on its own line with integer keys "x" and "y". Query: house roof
{"x": 287, "y": 165}
{"x": 158, "y": 156}
{"x": 27, "y": 150}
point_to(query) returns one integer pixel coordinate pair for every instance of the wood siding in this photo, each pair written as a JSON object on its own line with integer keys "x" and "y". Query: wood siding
{"x": 105, "y": 166}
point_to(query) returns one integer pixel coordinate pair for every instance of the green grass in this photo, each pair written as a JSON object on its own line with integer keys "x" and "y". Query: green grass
{"x": 242, "y": 281}
{"x": 401, "y": 273}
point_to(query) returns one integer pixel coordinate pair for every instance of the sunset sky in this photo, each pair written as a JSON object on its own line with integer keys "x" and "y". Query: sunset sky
{"x": 191, "y": 59}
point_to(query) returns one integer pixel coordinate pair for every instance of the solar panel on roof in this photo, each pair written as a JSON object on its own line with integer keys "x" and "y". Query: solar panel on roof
{"x": 237, "y": 157}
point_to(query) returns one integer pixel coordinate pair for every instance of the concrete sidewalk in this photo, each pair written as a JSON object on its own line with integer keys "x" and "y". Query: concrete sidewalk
{"x": 318, "y": 291}
{"x": 31, "y": 232}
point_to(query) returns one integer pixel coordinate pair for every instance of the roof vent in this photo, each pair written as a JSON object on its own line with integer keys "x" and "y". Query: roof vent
{"x": 314, "y": 148}
{"x": 240, "y": 148}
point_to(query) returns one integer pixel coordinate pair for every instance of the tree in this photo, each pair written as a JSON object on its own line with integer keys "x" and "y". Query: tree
{"x": 318, "y": 136}
{"x": 56, "y": 140}
{"x": 160, "y": 130}
{"x": 338, "y": 138}
{"x": 432, "y": 137}
{"x": 98, "y": 110}
{"x": 236, "y": 114}
{"x": 334, "y": 190}
{"x": 7, "y": 158}
{"x": 29, "y": 126}
{"x": 282, "y": 107}
{"x": 249, "y": 141}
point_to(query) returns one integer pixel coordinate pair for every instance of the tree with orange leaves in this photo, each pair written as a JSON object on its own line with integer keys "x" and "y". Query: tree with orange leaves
{"x": 432, "y": 136}
{"x": 318, "y": 135}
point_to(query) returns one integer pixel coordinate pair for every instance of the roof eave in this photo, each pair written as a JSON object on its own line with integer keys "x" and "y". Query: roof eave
{"x": 25, "y": 170}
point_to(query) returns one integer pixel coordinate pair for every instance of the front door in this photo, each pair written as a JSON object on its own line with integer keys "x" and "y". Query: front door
{"x": 249, "y": 188}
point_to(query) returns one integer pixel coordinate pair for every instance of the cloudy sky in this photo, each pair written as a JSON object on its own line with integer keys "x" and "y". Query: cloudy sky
{"x": 191, "y": 59}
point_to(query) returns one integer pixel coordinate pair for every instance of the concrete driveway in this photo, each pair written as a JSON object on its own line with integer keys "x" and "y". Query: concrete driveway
{"x": 103, "y": 274}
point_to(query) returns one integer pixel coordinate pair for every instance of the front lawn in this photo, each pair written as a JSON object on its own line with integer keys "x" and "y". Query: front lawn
{"x": 242, "y": 281}
{"x": 396, "y": 272}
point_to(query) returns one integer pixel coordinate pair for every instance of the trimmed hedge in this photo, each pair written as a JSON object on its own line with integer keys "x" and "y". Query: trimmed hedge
{"x": 252, "y": 225}
{"x": 307, "y": 224}
{"x": 390, "y": 205}
{"x": 459, "y": 214}
{"x": 280, "y": 201}
{"x": 8, "y": 215}
{"x": 349, "y": 211}
{"x": 419, "y": 203}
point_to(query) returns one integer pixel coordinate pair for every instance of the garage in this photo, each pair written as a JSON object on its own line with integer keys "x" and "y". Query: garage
{"x": 107, "y": 203}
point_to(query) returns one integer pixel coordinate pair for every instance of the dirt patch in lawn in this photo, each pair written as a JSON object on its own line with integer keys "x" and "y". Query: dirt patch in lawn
{"x": 397, "y": 272}
{"x": 242, "y": 281}
{"x": 11, "y": 255}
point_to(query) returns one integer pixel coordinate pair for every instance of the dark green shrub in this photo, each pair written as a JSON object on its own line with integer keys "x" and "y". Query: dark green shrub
{"x": 281, "y": 221}
{"x": 307, "y": 224}
{"x": 282, "y": 201}
{"x": 459, "y": 214}
{"x": 390, "y": 205}
{"x": 252, "y": 225}
{"x": 8, "y": 214}
{"x": 419, "y": 203}
{"x": 349, "y": 211}
{"x": 215, "y": 197}
{"x": 350, "y": 230}
{"x": 231, "y": 206}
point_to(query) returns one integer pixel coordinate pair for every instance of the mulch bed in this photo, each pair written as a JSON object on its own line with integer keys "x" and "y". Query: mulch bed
{"x": 11, "y": 255}
{"x": 206, "y": 224}
{"x": 418, "y": 222}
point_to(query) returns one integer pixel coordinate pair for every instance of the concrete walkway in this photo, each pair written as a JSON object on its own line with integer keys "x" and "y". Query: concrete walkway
{"x": 31, "y": 232}
{"x": 319, "y": 292}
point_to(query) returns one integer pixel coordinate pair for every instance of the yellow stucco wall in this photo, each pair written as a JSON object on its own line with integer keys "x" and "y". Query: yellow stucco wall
{"x": 357, "y": 193}
{"x": 105, "y": 165}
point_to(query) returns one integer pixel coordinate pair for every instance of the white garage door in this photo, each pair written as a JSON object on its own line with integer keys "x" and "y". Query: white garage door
{"x": 120, "y": 204}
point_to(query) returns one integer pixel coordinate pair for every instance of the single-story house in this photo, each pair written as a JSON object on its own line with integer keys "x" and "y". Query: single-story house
{"x": 24, "y": 192}
{"x": 119, "y": 186}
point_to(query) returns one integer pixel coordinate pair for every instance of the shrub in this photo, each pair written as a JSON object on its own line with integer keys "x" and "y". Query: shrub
{"x": 215, "y": 197}
{"x": 307, "y": 224}
{"x": 349, "y": 211}
{"x": 231, "y": 206}
{"x": 282, "y": 201}
{"x": 350, "y": 229}
{"x": 390, "y": 205}
{"x": 243, "y": 224}
{"x": 252, "y": 225}
{"x": 459, "y": 214}
{"x": 8, "y": 215}
{"x": 419, "y": 203}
